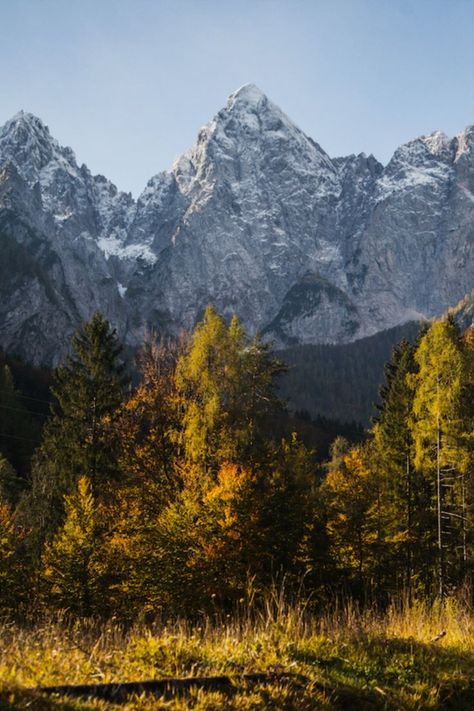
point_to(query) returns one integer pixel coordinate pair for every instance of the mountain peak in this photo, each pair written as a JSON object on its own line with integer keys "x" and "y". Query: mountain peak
{"x": 25, "y": 123}
{"x": 437, "y": 142}
{"x": 249, "y": 94}
{"x": 464, "y": 143}
{"x": 27, "y": 141}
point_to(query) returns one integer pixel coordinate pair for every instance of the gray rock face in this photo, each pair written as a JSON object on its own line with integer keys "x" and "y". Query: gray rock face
{"x": 256, "y": 218}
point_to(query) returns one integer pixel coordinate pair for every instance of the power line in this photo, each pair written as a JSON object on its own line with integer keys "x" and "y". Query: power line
{"x": 24, "y": 412}
{"x": 36, "y": 399}
{"x": 25, "y": 439}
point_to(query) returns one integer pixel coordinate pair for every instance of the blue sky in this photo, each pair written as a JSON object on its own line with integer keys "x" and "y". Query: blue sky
{"x": 128, "y": 83}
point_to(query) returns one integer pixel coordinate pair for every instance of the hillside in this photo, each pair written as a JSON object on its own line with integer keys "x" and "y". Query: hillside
{"x": 341, "y": 381}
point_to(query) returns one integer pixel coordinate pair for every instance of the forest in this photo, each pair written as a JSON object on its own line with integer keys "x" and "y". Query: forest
{"x": 176, "y": 521}
{"x": 341, "y": 381}
{"x": 176, "y": 494}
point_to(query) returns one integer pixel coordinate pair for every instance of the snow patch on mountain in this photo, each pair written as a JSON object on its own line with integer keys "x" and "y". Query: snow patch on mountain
{"x": 255, "y": 218}
{"x": 113, "y": 247}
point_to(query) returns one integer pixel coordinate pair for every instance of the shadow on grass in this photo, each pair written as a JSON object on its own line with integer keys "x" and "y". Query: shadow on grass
{"x": 370, "y": 673}
{"x": 386, "y": 673}
{"x": 18, "y": 700}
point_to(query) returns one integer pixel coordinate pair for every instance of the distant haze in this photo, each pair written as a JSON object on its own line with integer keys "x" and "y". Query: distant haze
{"x": 128, "y": 83}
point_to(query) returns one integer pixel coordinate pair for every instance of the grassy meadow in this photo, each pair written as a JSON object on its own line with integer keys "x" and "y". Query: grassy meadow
{"x": 345, "y": 659}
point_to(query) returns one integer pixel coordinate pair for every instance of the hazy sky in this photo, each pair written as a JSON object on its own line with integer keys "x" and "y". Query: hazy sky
{"x": 128, "y": 83}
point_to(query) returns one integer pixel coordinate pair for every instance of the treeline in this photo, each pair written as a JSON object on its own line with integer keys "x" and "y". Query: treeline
{"x": 176, "y": 496}
{"x": 341, "y": 381}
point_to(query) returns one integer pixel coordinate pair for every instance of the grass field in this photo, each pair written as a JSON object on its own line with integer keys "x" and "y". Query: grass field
{"x": 349, "y": 660}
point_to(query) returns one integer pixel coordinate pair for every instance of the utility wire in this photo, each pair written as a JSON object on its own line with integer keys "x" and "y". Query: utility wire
{"x": 25, "y": 439}
{"x": 36, "y": 399}
{"x": 24, "y": 412}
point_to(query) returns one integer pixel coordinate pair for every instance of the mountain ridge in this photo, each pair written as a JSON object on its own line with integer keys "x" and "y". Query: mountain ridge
{"x": 255, "y": 218}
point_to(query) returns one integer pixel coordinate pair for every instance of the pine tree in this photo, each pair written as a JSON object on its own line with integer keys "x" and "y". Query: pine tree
{"x": 288, "y": 509}
{"x": 88, "y": 390}
{"x": 256, "y": 403}
{"x": 405, "y": 496}
{"x": 78, "y": 439}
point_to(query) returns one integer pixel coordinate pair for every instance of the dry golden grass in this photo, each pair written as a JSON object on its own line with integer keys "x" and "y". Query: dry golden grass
{"x": 351, "y": 660}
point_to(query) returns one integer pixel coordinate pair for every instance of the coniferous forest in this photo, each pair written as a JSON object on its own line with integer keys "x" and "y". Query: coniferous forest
{"x": 177, "y": 493}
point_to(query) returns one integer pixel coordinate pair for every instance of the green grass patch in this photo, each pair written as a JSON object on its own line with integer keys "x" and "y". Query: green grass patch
{"x": 350, "y": 660}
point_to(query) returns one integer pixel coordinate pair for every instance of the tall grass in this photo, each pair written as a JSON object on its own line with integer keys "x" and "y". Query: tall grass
{"x": 351, "y": 658}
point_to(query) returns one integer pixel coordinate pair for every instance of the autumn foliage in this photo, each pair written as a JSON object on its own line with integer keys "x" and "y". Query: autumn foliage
{"x": 172, "y": 495}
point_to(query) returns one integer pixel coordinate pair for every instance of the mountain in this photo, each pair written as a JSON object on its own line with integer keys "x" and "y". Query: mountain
{"x": 463, "y": 312}
{"x": 256, "y": 218}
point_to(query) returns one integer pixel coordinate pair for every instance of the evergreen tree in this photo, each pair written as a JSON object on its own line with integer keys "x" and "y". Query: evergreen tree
{"x": 405, "y": 494}
{"x": 88, "y": 390}
{"x": 288, "y": 510}
{"x": 79, "y": 439}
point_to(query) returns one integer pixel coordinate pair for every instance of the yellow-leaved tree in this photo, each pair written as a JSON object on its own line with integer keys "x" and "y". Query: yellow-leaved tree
{"x": 69, "y": 575}
{"x": 352, "y": 492}
{"x": 226, "y": 388}
{"x": 13, "y": 575}
{"x": 438, "y": 429}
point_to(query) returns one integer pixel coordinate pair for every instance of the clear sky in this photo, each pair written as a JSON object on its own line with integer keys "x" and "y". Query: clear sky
{"x": 128, "y": 83}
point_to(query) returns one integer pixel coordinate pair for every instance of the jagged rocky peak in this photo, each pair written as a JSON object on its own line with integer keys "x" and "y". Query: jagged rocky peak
{"x": 26, "y": 141}
{"x": 254, "y": 116}
{"x": 255, "y": 218}
{"x": 248, "y": 94}
{"x": 421, "y": 151}
{"x": 464, "y": 144}
{"x": 252, "y": 109}
{"x": 248, "y": 100}
{"x": 237, "y": 128}
{"x": 252, "y": 140}
{"x": 425, "y": 161}
{"x": 438, "y": 144}
{"x": 350, "y": 167}
{"x": 78, "y": 202}
{"x": 24, "y": 127}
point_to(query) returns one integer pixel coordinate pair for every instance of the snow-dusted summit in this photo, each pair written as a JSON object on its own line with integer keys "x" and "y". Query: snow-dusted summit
{"x": 256, "y": 218}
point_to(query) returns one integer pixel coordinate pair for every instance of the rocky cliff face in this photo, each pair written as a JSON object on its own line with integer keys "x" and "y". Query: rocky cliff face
{"x": 256, "y": 218}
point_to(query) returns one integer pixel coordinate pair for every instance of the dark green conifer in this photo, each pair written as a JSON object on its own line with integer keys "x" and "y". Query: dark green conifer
{"x": 79, "y": 439}
{"x": 392, "y": 449}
